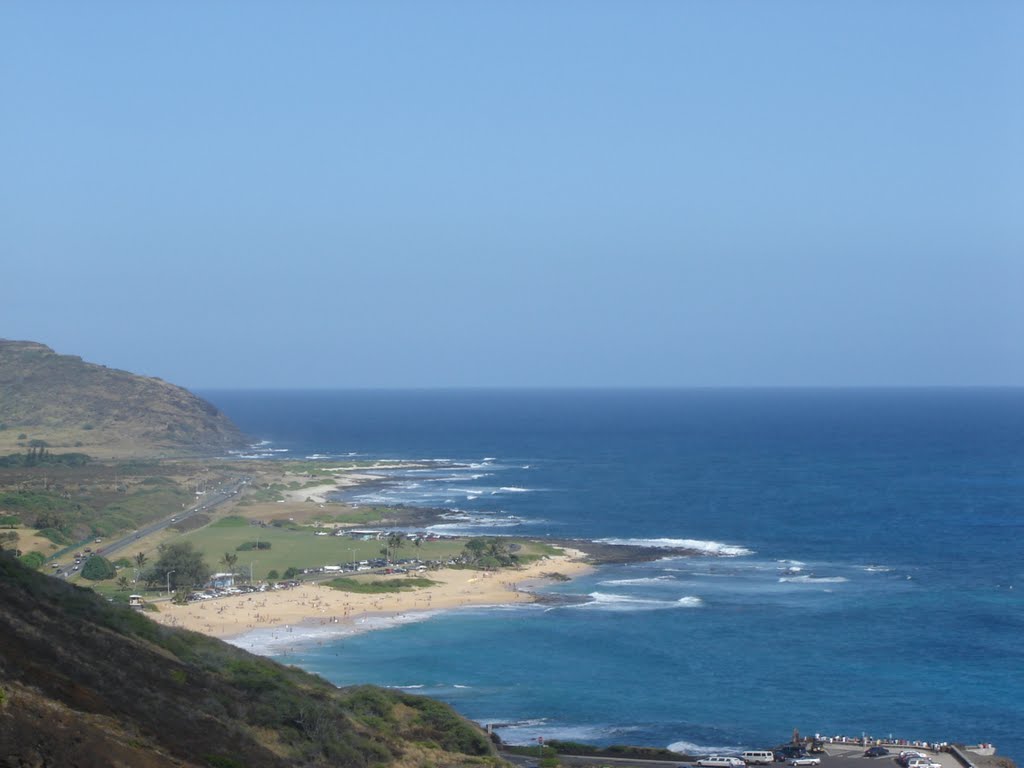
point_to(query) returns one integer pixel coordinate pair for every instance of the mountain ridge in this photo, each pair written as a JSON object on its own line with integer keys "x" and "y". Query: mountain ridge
{"x": 66, "y": 401}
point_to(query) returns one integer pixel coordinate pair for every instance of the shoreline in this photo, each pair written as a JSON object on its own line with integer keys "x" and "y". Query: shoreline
{"x": 317, "y": 610}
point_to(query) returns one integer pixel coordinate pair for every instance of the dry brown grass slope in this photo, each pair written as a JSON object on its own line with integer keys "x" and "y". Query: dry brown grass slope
{"x": 70, "y": 403}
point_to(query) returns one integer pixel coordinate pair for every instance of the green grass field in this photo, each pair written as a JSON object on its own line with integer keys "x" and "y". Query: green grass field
{"x": 298, "y": 548}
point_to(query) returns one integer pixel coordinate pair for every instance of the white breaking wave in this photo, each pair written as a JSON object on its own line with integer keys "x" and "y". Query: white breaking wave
{"x": 689, "y": 748}
{"x": 283, "y": 640}
{"x": 638, "y": 582}
{"x": 877, "y": 569}
{"x": 707, "y": 547}
{"x": 814, "y": 579}
{"x": 514, "y": 489}
{"x": 611, "y": 602}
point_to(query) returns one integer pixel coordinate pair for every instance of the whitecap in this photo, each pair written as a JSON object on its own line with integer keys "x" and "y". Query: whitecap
{"x": 689, "y": 748}
{"x": 637, "y": 582}
{"x": 813, "y": 579}
{"x": 612, "y": 602}
{"x": 707, "y": 547}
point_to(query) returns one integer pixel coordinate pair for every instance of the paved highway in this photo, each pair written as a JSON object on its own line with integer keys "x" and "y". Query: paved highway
{"x": 210, "y": 500}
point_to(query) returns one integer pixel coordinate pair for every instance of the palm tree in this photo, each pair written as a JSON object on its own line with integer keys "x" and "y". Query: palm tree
{"x": 140, "y": 560}
{"x": 229, "y": 560}
{"x": 395, "y": 541}
{"x": 122, "y": 584}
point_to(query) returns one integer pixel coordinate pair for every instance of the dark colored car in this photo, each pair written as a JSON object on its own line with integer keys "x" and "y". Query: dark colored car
{"x": 876, "y": 752}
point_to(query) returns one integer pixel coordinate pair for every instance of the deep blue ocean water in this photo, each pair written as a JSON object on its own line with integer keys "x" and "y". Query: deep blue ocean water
{"x": 864, "y": 572}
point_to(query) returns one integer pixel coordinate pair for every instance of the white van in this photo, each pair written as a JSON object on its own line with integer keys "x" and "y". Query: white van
{"x": 759, "y": 757}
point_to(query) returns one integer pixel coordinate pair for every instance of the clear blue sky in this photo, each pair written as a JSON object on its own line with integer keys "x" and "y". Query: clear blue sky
{"x": 332, "y": 194}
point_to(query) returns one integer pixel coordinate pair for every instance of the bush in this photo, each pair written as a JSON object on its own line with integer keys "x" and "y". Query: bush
{"x": 98, "y": 568}
{"x": 55, "y": 536}
{"x": 251, "y": 545}
{"x": 33, "y": 559}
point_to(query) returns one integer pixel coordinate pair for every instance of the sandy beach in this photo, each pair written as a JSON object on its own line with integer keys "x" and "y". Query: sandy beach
{"x": 313, "y": 605}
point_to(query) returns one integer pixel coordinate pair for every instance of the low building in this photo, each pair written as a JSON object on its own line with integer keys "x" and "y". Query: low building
{"x": 221, "y": 580}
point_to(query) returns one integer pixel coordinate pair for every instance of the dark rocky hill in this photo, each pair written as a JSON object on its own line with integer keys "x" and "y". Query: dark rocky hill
{"x": 67, "y": 402}
{"x": 84, "y": 683}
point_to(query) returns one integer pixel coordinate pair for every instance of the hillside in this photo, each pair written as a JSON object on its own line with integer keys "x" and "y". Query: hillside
{"x": 87, "y": 683}
{"x": 67, "y": 402}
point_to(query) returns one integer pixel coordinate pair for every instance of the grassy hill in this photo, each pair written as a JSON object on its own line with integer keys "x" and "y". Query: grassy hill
{"x": 87, "y": 683}
{"x": 69, "y": 403}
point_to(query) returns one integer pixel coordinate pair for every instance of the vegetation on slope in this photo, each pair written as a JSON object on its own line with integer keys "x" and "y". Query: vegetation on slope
{"x": 87, "y": 682}
{"x": 62, "y": 400}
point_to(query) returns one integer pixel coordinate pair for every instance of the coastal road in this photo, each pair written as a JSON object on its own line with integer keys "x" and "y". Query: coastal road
{"x": 840, "y": 758}
{"x": 208, "y": 501}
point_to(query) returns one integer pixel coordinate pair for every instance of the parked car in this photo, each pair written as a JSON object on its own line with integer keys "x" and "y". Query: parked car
{"x": 782, "y": 754}
{"x": 907, "y": 755}
{"x": 721, "y": 761}
{"x": 876, "y": 752}
{"x": 805, "y": 760}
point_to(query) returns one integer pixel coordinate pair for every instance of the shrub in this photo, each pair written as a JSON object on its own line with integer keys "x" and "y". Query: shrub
{"x": 251, "y": 545}
{"x": 98, "y": 568}
{"x": 55, "y": 536}
{"x": 33, "y": 559}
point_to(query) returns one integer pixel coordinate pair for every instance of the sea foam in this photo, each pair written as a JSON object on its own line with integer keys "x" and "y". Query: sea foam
{"x": 707, "y": 547}
{"x": 612, "y": 602}
{"x": 813, "y": 579}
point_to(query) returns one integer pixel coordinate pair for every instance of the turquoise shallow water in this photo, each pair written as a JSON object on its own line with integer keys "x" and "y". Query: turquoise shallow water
{"x": 863, "y": 570}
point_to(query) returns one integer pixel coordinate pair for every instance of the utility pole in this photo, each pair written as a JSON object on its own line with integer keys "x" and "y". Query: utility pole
{"x": 169, "y": 582}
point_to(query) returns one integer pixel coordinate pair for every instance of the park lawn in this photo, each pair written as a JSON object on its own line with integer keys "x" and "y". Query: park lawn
{"x": 297, "y": 547}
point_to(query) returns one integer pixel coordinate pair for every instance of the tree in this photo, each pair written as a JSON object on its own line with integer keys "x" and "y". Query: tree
{"x": 182, "y": 563}
{"x": 273, "y": 575}
{"x": 395, "y": 542}
{"x": 140, "y": 560}
{"x": 475, "y": 548}
{"x": 122, "y": 584}
{"x": 98, "y": 568}
{"x": 229, "y": 560}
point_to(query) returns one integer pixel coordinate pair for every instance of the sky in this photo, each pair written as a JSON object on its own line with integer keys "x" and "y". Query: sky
{"x": 551, "y": 194}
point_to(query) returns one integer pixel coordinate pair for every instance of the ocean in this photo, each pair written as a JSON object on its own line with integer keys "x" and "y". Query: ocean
{"x": 863, "y": 570}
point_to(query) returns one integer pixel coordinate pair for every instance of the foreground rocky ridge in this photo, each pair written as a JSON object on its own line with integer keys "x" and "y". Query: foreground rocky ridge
{"x": 84, "y": 682}
{"x": 67, "y": 402}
